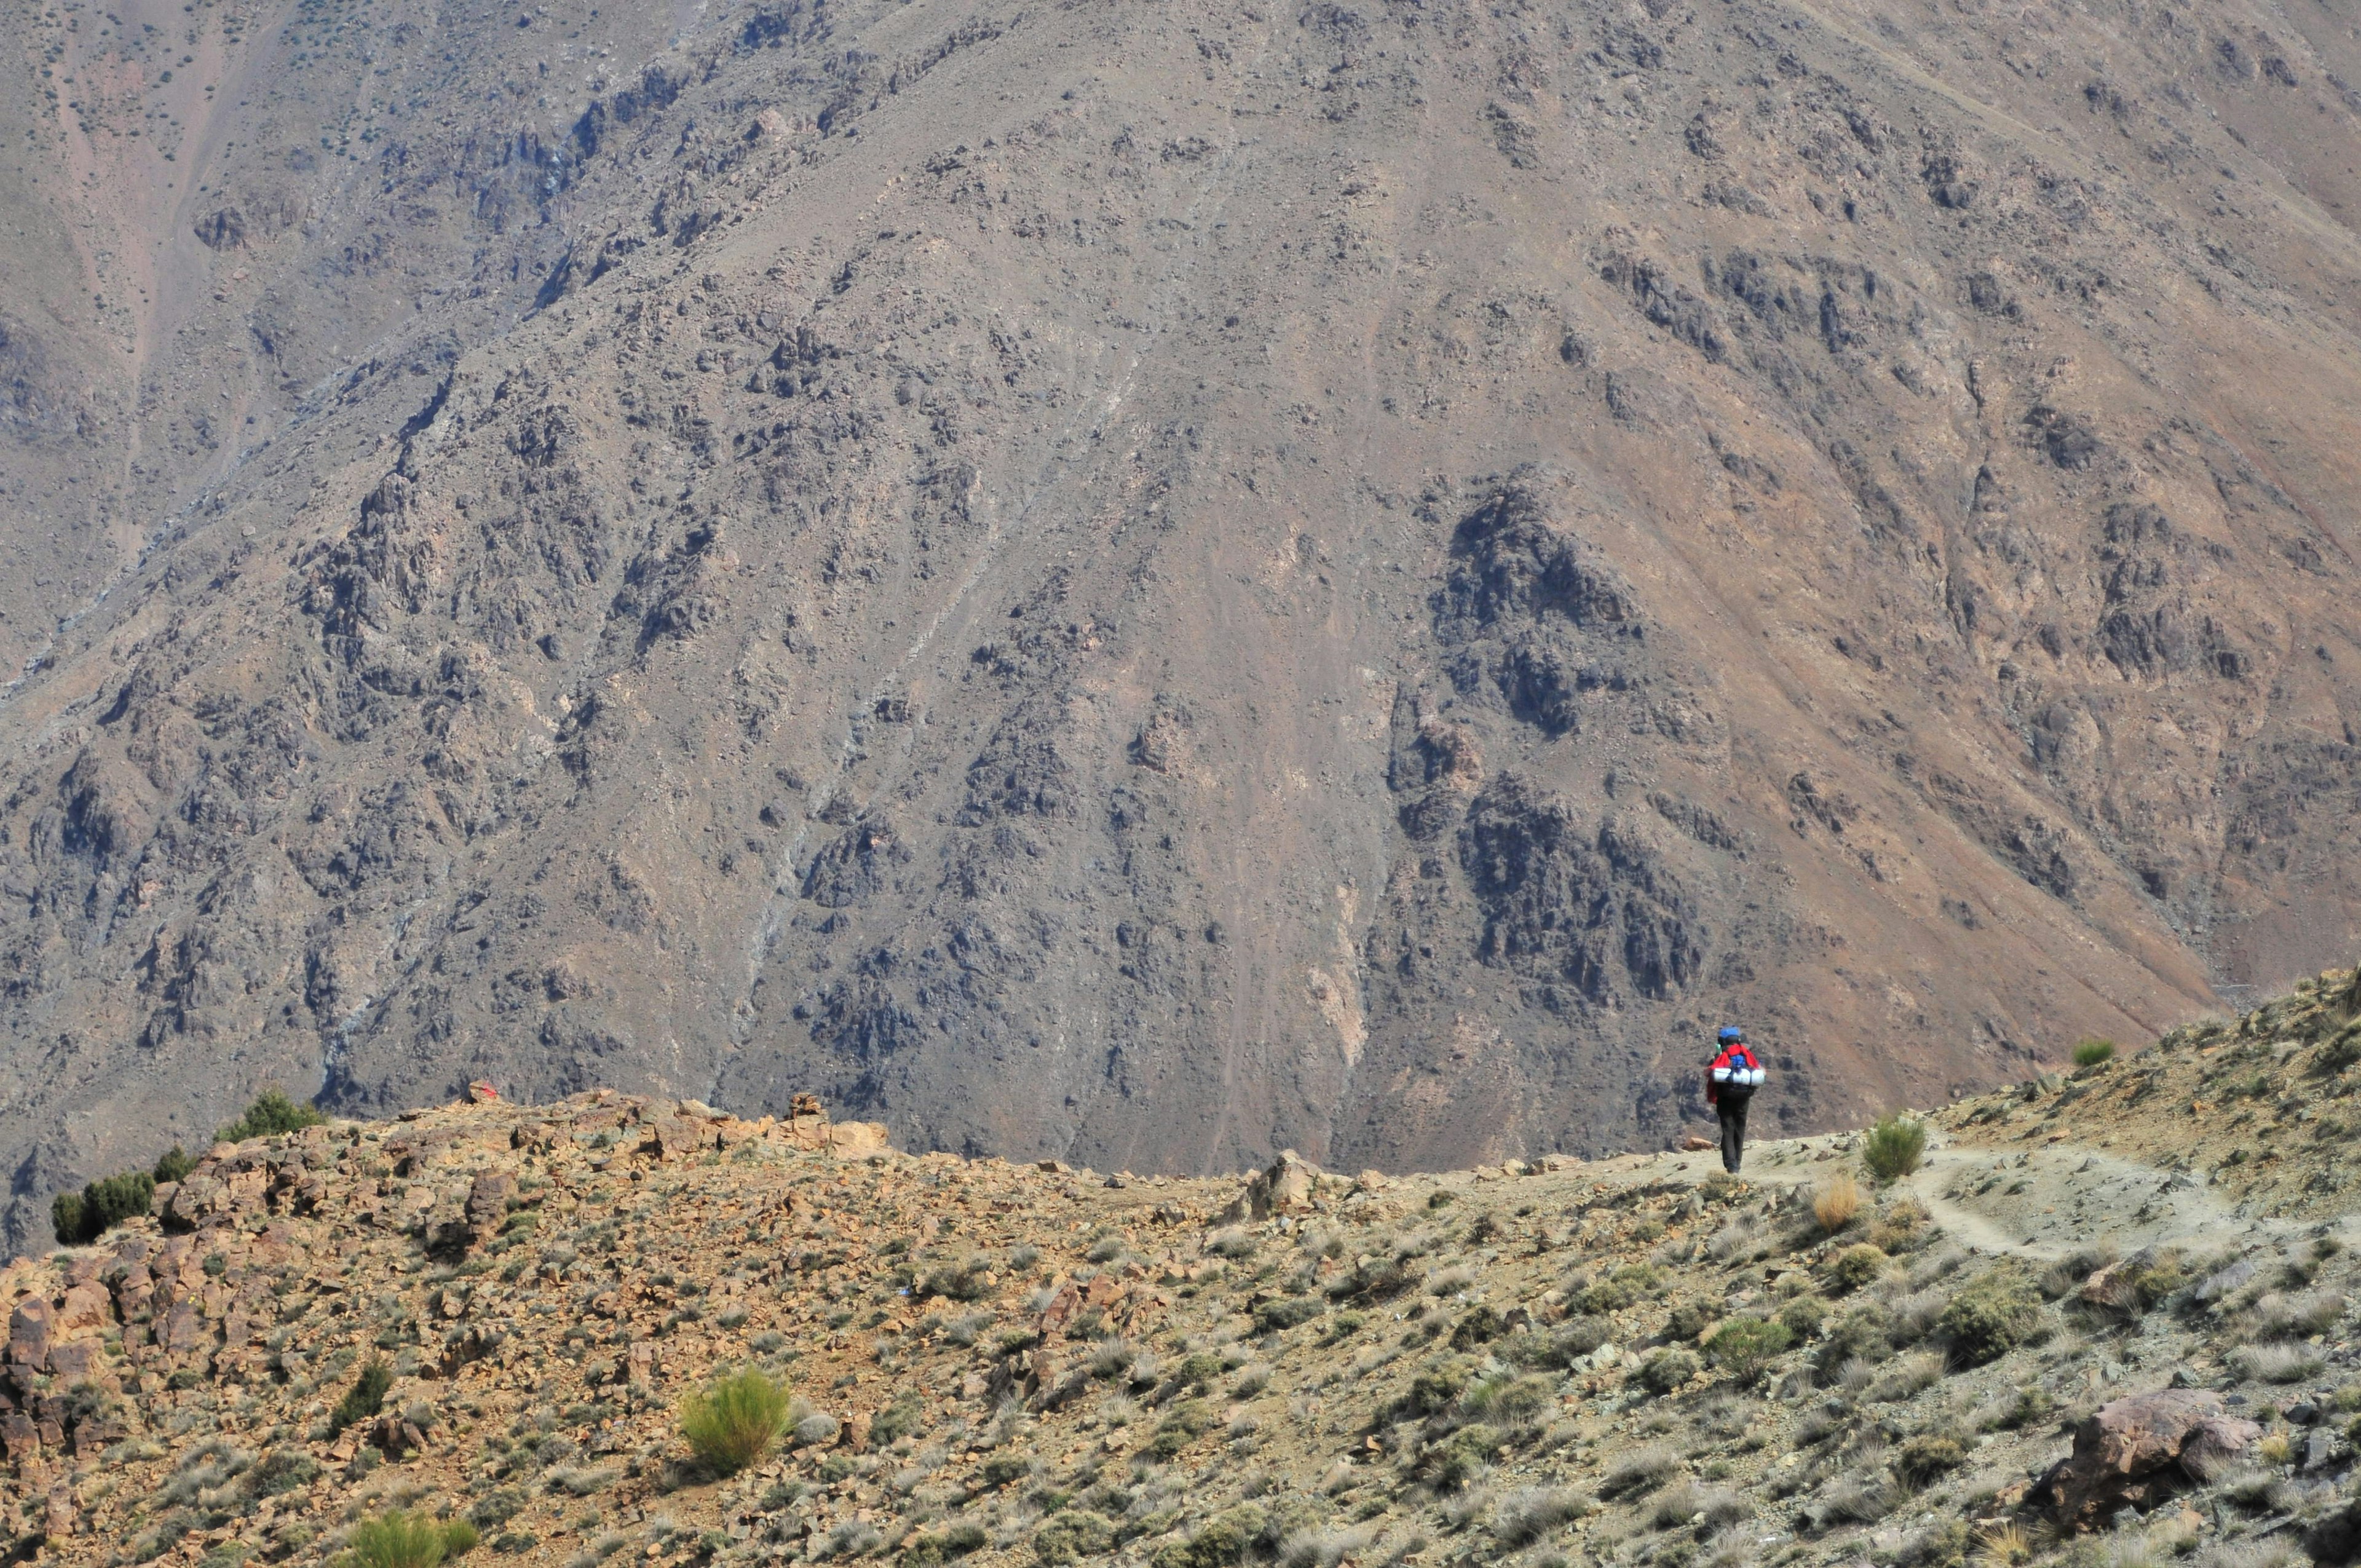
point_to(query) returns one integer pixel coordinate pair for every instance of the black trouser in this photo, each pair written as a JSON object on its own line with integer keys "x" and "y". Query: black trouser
{"x": 1731, "y": 1109}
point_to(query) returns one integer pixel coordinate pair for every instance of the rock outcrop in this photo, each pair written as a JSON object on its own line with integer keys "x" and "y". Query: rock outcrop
{"x": 2132, "y": 1453}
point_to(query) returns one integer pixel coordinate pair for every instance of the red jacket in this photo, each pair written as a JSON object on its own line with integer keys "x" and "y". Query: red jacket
{"x": 1736, "y": 1056}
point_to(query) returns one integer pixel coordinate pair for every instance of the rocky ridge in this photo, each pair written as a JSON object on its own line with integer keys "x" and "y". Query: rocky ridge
{"x": 1626, "y": 1362}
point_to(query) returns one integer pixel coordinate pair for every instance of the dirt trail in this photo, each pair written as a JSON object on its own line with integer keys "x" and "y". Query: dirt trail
{"x": 2044, "y": 1203}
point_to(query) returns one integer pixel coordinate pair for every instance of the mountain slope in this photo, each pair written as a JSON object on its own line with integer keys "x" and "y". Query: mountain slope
{"x": 1146, "y": 584}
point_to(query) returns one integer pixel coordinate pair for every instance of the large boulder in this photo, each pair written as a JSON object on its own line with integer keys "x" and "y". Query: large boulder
{"x": 2135, "y": 1451}
{"x": 1285, "y": 1189}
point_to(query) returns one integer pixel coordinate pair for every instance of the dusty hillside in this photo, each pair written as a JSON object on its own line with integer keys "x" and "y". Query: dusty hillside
{"x": 1629, "y": 1362}
{"x": 1146, "y": 583}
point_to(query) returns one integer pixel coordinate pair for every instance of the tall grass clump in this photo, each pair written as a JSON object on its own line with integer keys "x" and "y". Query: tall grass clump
{"x": 402, "y": 1538}
{"x": 733, "y": 1422}
{"x": 1894, "y": 1147}
{"x": 2277, "y": 1362}
{"x": 2091, "y": 1053}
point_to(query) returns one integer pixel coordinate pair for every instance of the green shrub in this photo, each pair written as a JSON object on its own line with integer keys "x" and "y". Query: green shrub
{"x": 1743, "y": 1345}
{"x": 174, "y": 1165}
{"x": 270, "y": 1113}
{"x": 283, "y": 1470}
{"x": 1185, "y": 1426}
{"x": 1002, "y": 1468}
{"x": 934, "y": 1548}
{"x": 2033, "y": 1404}
{"x": 1070, "y": 1535}
{"x": 1450, "y": 1465}
{"x": 1690, "y": 1318}
{"x": 1803, "y": 1316}
{"x": 1897, "y": 1228}
{"x": 1667, "y": 1369}
{"x": 1892, "y": 1149}
{"x": 81, "y": 1218}
{"x": 1506, "y": 1396}
{"x": 959, "y": 1282}
{"x": 1857, "y": 1265}
{"x": 1928, "y": 1454}
{"x": 1287, "y": 1312}
{"x": 1557, "y": 1347}
{"x": 1225, "y": 1539}
{"x": 1992, "y": 1316}
{"x": 1481, "y": 1326}
{"x": 1432, "y": 1389}
{"x": 1864, "y": 1331}
{"x": 1202, "y": 1370}
{"x": 1620, "y": 1289}
{"x": 402, "y": 1538}
{"x": 898, "y": 1419}
{"x": 363, "y": 1399}
{"x": 733, "y": 1422}
{"x": 2091, "y": 1053}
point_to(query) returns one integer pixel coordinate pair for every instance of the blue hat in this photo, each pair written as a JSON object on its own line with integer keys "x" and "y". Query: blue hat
{"x": 1730, "y": 1032}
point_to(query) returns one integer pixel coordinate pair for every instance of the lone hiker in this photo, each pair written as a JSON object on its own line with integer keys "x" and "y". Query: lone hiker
{"x": 1730, "y": 1085}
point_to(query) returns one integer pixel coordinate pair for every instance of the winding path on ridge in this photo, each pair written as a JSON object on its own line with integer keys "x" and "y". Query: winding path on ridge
{"x": 2038, "y": 1201}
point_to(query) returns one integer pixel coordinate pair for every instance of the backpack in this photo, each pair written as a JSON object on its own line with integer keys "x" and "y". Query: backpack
{"x": 1743, "y": 1075}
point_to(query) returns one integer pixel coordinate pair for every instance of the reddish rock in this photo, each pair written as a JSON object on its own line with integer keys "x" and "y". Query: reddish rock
{"x": 395, "y": 1437}
{"x": 487, "y": 1200}
{"x": 74, "y": 1363}
{"x": 1065, "y": 1305}
{"x": 29, "y": 1333}
{"x": 2137, "y": 1450}
{"x": 86, "y": 1311}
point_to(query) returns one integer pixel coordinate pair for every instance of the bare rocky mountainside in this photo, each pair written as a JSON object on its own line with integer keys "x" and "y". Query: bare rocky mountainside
{"x": 1146, "y": 583}
{"x": 2107, "y": 1321}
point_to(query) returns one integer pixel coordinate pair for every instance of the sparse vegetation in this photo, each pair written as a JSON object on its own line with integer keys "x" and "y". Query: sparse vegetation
{"x": 1640, "y": 1472}
{"x": 1625, "y": 1348}
{"x": 1527, "y": 1515}
{"x": 2092, "y": 1052}
{"x": 271, "y": 1113}
{"x": 733, "y": 1422}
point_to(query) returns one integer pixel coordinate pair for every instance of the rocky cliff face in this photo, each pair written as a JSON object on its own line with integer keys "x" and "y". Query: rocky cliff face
{"x": 1148, "y": 584}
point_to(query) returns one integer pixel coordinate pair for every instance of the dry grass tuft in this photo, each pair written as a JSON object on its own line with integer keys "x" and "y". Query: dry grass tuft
{"x": 1836, "y": 1202}
{"x": 2004, "y": 1546}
